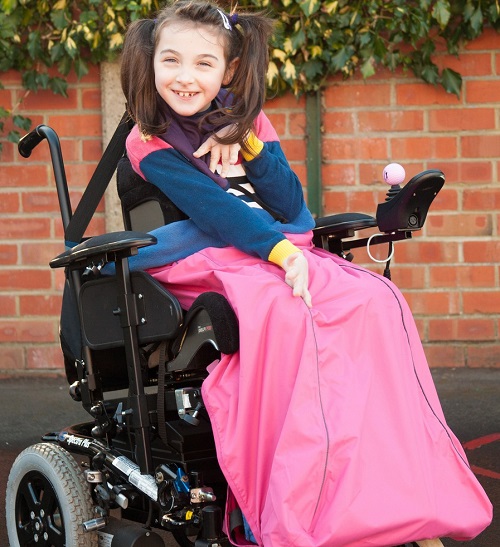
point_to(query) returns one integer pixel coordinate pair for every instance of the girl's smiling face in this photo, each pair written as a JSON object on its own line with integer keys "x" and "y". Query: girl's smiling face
{"x": 190, "y": 66}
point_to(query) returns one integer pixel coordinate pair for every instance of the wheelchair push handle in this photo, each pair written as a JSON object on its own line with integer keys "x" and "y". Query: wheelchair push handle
{"x": 30, "y": 141}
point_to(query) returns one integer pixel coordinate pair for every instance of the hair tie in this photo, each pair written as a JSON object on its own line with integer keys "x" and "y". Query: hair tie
{"x": 225, "y": 20}
{"x": 233, "y": 18}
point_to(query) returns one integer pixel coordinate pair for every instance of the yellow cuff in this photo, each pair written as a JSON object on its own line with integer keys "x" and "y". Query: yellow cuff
{"x": 282, "y": 251}
{"x": 254, "y": 145}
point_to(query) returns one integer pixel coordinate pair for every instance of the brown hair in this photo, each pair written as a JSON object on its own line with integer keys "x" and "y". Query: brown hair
{"x": 246, "y": 37}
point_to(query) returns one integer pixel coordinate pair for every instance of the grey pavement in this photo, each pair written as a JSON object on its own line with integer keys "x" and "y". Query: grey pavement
{"x": 470, "y": 398}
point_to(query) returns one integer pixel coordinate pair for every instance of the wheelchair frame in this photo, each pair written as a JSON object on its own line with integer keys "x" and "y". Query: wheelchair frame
{"x": 147, "y": 454}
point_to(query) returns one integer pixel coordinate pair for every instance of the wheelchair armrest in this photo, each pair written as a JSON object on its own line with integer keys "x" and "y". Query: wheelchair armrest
{"x": 407, "y": 210}
{"x": 107, "y": 248}
{"x": 343, "y": 225}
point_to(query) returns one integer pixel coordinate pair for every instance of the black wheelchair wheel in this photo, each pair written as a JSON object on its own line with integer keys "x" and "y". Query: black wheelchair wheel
{"x": 47, "y": 500}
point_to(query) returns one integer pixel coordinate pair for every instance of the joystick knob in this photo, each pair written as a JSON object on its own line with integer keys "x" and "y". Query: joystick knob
{"x": 393, "y": 174}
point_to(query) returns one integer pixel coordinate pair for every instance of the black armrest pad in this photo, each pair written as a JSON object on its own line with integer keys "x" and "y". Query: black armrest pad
{"x": 118, "y": 244}
{"x": 334, "y": 224}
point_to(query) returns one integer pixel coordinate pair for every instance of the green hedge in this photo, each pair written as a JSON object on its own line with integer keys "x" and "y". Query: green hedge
{"x": 46, "y": 40}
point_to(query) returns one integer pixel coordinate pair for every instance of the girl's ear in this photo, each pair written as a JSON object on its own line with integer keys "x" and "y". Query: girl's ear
{"x": 230, "y": 70}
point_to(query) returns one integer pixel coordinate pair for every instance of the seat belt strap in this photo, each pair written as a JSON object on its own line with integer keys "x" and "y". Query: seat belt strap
{"x": 98, "y": 184}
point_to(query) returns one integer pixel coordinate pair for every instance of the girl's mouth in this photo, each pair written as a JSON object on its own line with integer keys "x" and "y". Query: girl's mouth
{"x": 185, "y": 94}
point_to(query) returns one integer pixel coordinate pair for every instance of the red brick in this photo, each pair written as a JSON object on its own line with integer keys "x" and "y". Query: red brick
{"x": 357, "y": 95}
{"x": 480, "y": 146}
{"x": 446, "y": 200}
{"x": 481, "y": 199}
{"x": 434, "y": 302}
{"x": 91, "y": 99}
{"x": 47, "y": 100}
{"x": 487, "y": 40}
{"x": 463, "y": 119}
{"x": 482, "y": 91}
{"x": 393, "y": 120}
{"x": 24, "y": 279}
{"x": 422, "y": 94}
{"x": 295, "y": 149}
{"x": 334, "y": 202}
{"x": 45, "y": 357}
{"x": 445, "y": 355}
{"x": 485, "y": 302}
{"x": 24, "y": 228}
{"x": 338, "y": 174}
{"x": 25, "y": 175}
{"x": 408, "y": 277}
{"x": 287, "y": 101}
{"x": 461, "y": 329}
{"x": 467, "y": 63}
{"x": 475, "y": 172}
{"x": 8, "y": 254}
{"x": 8, "y": 305}
{"x": 424, "y": 147}
{"x": 40, "y": 202}
{"x": 28, "y": 331}
{"x": 278, "y": 121}
{"x": 349, "y": 148}
{"x": 40, "y": 305}
{"x": 481, "y": 251}
{"x": 297, "y": 123}
{"x": 40, "y": 254}
{"x": 462, "y": 276}
{"x": 483, "y": 356}
{"x": 428, "y": 252}
{"x": 338, "y": 122}
{"x": 467, "y": 225}
{"x": 11, "y": 359}
{"x": 88, "y": 125}
{"x": 9, "y": 202}
{"x": 7, "y": 153}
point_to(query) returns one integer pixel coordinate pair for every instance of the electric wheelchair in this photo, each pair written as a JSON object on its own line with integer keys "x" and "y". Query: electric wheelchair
{"x": 144, "y": 465}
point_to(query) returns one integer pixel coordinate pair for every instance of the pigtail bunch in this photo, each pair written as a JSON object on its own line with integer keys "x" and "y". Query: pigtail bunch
{"x": 137, "y": 76}
{"x": 248, "y": 39}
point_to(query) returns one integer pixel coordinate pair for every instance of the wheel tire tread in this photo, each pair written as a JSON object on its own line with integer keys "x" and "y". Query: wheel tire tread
{"x": 67, "y": 470}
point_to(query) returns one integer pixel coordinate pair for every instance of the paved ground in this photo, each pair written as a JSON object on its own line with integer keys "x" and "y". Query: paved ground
{"x": 470, "y": 399}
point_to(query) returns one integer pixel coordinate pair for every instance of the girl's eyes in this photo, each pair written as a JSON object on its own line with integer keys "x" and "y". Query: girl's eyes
{"x": 173, "y": 60}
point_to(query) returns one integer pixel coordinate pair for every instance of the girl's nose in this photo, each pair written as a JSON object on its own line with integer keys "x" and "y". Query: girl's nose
{"x": 184, "y": 76}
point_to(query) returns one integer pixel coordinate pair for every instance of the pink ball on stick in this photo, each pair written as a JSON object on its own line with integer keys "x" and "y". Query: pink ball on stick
{"x": 394, "y": 173}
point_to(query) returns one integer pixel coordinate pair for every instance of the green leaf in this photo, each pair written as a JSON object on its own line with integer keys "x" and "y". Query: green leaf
{"x": 309, "y": 6}
{"x": 451, "y": 81}
{"x": 22, "y": 122}
{"x": 441, "y": 12}
{"x": 8, "y": 6}
{"x": 59, "y": 19}
{"x": 368, "y": 68}
{"x": 59, "y": 86}
{"x": 476, "y": 20}
{"x": 81, "y": 68}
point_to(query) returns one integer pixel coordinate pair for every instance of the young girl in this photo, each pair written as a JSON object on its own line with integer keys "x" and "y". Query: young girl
{"x": 327, "y": 424}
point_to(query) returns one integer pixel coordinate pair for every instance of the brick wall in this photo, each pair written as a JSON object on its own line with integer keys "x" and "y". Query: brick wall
{"x": 449, "y": 272}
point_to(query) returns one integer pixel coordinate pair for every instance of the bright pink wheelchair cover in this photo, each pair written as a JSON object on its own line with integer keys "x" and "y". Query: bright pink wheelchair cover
{"x": 327, "y": 424}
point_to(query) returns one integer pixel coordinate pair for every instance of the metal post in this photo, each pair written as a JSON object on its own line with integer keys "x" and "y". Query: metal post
{"x": 314, "y": 153}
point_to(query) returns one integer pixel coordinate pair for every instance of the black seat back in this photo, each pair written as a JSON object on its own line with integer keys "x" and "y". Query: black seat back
{"x": 144, "y": 206}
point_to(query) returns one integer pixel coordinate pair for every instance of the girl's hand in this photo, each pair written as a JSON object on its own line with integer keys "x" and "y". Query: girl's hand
{"x": 227, "y": 153}
{"x": 297, "y": 276}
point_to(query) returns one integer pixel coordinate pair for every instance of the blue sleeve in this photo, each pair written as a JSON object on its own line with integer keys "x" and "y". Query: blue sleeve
{"x": 219, "y": 214}
{"x": 275, "y": 182}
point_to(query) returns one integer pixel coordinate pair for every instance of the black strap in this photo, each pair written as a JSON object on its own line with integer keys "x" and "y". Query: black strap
{"x": 236, "y": 184}
{"x": 160, "y": 401}
{"x": 98, "y": 183}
